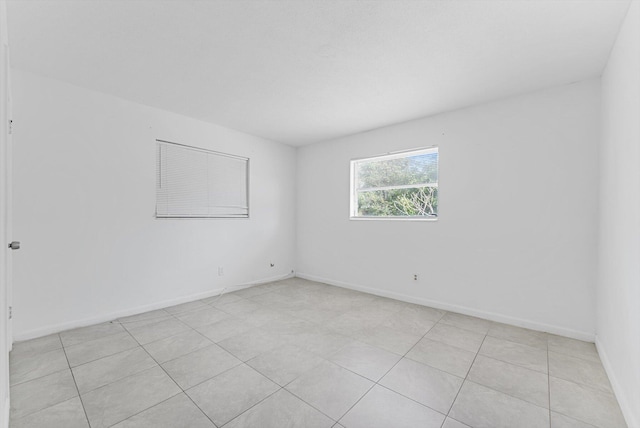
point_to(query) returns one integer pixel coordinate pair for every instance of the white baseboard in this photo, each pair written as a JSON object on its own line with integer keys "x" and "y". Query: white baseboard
{"x": 56, "y": 328}
{"x": 492, "y": 316}
{"x": 623, "y": 401}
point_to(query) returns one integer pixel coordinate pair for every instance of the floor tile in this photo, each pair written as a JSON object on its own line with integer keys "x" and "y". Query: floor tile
{"x": 445, "y": 357}
{"x": 515, "y": 353}
{"x": 585, "y": 404}
{"x": 315, "y": 314}
{"x": 284, "y": 364}
{"x": 308, "y": 337}
{"x": 287, "y": 325}
{"x": 229, "y": 394}
{"x": 186, "y": 307}
{"x": 466, "y": 322}
{"x": 386, "y": 338}
{"x": 319, "y": 341}
{"x": 36, "y": 346}
{"x": 224, "y": 329}
{"x": 38, "y": 394}
{"x": 374, "y": 315}
{"x": 112, "y": 368}
{"x": 349, "y": 324}
{"x": 423, "y": 312}
{"x": 578, "y": 370}
{"x": 528, "y": 385}
{"x": 344, "y": 302}
{"x": 223, "y": 299}
{"x": 561, "y": 421}
{"x": 84, "y": 334}
{"x": 176, "y": 346}
{"x": 270, "y": 299}
{"x": 456, "y": 336}
{"x": 402, "y": 322}
{"x": 365, "y": 360}
{"x": 34, "y": 365}
{"x": 274, "y": 286}
{"x": 385, "y": 304}
{"x": 536, "y": 339}
{"x": 239, "y": 307}
{"x": 68, "y": 414}
{"x": 146, "y": 318}
{"x": 481, "y": 407}
{"x": 281, "y": 410}
{"x": 281, "y": 303}
{"x": 202, "y": 317}
{"x": 452, "y": 423}
{"x": 262, "y": 316}
{"x": 122, "y": 399}
{"x": 573, "y": 347}
{"x": 251, "y": 343}
{"x": 382, "y": 408}
{"x": 252, "y": 291}
{"x": 330, "y": 389}
{"x": 177, "y": 412}
{"x": 200, "y": 365}
{"x": 99, "y": 348}
{"x": 426, "y": 385}
{"x": 152, "y": 332}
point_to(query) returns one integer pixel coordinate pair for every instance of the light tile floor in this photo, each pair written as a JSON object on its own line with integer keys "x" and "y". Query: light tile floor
{"x": 296, "y": 353}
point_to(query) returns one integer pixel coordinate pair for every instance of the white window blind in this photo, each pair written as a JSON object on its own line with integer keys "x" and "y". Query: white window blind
{"x": 193, "y": 182}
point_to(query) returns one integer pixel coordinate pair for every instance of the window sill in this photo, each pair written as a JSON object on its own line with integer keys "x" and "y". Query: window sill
{"x": 393, "y": 218}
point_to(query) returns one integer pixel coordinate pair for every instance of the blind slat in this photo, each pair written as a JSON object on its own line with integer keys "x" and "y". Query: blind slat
{"x": 193, "y": 182}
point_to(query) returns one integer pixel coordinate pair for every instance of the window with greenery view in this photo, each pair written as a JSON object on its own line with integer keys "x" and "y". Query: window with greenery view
{"x": 399, "y": 185}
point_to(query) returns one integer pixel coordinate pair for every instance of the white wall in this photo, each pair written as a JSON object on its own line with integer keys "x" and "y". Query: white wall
{"x": 618, "y": 324}
{"x": 516, "y": 237}
{"x": 85, "y": 201}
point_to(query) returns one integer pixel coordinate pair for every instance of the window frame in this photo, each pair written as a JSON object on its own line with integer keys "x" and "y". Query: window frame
{"x": 353, "y": 192}
{"x": 159, "y": 142}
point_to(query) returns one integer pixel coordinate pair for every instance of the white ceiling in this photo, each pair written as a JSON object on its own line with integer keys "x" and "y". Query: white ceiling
{"x": 305, "y": 71}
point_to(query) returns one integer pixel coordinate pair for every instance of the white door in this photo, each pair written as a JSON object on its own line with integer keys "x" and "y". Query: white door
{"x": 5, "y": 218}
{"x": 8, "y": 195}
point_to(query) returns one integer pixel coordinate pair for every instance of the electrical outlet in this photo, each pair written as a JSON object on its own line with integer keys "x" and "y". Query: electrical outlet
{"x": 272, "y": 264}
{"x": 415, "y": 276}
{"x": 220, "y": 271}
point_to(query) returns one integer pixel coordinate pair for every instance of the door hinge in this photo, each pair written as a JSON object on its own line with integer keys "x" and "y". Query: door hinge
{"x": 10, "y": 126}
{"x": 10, "y": 312}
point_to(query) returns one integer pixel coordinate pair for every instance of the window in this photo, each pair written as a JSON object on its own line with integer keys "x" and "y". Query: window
{"x": 193, "y": 183}
{"x": 398, "y": 185}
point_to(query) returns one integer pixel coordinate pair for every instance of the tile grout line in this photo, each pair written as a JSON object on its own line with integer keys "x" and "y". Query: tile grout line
{"x": 376, "y": 383}
{"x": 169, "y": 316}
{"x": 254, "y": 405}
{"x": 497, "y": 390}
{"x": 336, "y": 421}
{"x": 148, "y": 408}
{"x": 76, "y": 385}
{"x": 466, "y": 376}
{"x": 184, "y": 391}
{"x": 307, "y": 371}
{"x": 173, "y": 380}
{"x": 174, "y": 316}
{"x": 118, "y": 379}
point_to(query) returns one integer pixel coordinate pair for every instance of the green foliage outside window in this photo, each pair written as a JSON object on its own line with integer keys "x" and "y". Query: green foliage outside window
{"x": 398, "y": 187}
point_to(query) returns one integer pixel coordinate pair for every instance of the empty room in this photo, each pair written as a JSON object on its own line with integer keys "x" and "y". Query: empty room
{"x": 320, "y": 213}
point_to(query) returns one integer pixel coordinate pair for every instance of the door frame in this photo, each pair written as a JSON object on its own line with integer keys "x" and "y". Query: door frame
{"x": 6, "y": 339}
